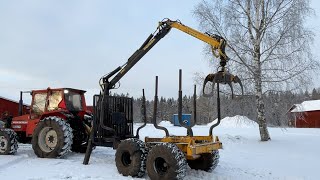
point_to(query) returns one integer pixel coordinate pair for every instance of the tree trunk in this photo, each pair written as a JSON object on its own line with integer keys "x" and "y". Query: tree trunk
{"x": 264, "y": 133}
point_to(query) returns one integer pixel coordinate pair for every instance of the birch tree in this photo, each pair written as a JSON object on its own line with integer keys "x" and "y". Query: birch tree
{"x": 268, "y": 43}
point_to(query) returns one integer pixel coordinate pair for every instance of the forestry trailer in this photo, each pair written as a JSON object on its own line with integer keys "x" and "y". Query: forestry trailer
{"x": 167, "y": 157}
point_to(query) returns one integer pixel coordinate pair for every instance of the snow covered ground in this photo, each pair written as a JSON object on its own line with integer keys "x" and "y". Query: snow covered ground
{"x": 292, "y": 154}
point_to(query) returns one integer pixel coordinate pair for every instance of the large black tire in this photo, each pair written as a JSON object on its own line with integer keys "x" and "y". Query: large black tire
{"x": 206, "y": 162}
{"x": 52, "y": 138}
{"x": 80, "y": 138}
{"x": 8, "y": 142}
{"x": 131, "y": 157}
{"x": 79, "y": 148}
{"x": 166, "y": 161}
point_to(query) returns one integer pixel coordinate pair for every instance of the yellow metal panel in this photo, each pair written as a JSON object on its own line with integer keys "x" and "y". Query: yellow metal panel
{"x": 199, "y": 35}
{"x": 193, "y": 147}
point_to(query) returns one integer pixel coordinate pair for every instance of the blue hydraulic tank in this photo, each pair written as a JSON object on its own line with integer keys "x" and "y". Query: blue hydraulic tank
{"x": 186, "y": 119}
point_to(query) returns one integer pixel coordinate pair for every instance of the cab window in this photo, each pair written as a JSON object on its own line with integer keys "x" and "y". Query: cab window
{"x": 39, "y": 103}
{"x": 54, "y": 98}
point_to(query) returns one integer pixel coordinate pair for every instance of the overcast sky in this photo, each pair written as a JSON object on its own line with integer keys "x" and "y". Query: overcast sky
{"x": 73, "y": 43}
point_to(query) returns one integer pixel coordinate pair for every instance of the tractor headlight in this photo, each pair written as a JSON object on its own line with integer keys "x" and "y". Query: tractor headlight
{"x": 16, "y": 126}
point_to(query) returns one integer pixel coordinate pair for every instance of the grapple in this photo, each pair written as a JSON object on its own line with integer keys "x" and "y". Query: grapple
{"x": 221, "y": 77}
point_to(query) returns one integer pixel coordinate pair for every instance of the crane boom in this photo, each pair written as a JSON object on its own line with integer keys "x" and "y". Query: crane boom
{"x": 216, "y": 42}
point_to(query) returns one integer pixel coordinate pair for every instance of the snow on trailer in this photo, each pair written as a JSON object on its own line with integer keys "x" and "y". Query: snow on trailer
{"x": 305, "y": 115}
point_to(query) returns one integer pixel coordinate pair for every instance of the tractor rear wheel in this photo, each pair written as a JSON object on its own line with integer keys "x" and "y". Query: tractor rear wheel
{"x": 206, "y": 162}
{"x": 166, "y": 161}
{"x": 8, "y": 142}
{"x": 131, "y": 157}
{"x": 52, "y": 138}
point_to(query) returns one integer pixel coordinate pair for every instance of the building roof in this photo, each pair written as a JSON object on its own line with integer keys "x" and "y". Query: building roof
{"x": 7, "y": 99}
{"x": 313, "y": 105}
{"x": 1, "y": 97}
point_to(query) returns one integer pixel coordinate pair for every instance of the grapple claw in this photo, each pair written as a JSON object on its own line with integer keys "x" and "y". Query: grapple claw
{"x": 222, "y": 77}
{"x": 229, "y": 83}
{"x": 209, "y": 78}
{"x": 236, "y": 79}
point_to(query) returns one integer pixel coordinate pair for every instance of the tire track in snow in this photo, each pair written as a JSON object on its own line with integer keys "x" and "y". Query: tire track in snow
{"x": 11, "y": 163}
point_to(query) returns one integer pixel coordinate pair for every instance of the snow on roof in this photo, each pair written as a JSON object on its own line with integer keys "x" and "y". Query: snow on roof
{"x": 313, "y": 105}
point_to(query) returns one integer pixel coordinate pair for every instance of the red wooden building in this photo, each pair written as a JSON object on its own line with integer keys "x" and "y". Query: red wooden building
{"x": 305, "y": 115}
{"x": 11, "y": 106}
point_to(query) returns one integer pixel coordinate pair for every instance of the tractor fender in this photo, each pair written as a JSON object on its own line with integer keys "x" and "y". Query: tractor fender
{"x": 83, "y": 114}
{"x": 61, "y": 114}
{"x": 32, "y": 124}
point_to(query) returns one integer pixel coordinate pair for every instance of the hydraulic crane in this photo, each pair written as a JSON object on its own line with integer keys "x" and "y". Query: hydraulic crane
{"x": 217, "y": 43}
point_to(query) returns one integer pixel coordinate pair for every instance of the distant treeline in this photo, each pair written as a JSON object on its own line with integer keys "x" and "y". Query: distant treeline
{"x": 277, "y": 105}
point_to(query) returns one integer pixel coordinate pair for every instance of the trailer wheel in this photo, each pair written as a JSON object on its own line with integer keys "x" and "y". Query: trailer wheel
{"x": 8, "y": 142}
{"x": 166, "y": 161}
{"x": 131, "y": 157}
{"x": 206, "y": 162}
{"x": 52, "y": 138}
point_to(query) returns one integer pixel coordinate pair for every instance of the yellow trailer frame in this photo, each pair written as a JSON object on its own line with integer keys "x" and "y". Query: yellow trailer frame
{"x": 192, "y": 146}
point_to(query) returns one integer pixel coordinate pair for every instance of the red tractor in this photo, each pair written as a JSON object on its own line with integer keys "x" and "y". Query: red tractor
{"x": 58, "y": 122}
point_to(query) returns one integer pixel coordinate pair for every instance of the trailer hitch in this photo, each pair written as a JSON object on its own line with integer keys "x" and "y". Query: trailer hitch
{"x": 222, "y": 77}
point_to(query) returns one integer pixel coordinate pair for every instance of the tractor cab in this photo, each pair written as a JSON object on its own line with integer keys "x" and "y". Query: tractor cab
{"x": 66, "y": 103}
{"x": 50, "y": 100}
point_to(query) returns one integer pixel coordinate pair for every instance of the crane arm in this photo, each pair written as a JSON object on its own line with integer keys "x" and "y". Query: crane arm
{"x": 217, "y": 43}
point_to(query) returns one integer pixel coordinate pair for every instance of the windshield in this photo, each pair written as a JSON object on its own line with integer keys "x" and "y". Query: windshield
{"x": 54, "y": 99}
{"x": 73, "y": 101}
{"x": 39, "y": 103}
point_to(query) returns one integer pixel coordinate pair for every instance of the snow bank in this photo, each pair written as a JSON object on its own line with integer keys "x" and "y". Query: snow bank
{"x": 235, "y": 122}
{"x": 227, "y": 122}
{"x": 165, "y": 123}
{"x": 292, "y": 154}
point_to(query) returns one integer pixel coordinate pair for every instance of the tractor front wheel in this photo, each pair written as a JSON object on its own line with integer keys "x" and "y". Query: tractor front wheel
{"x": 166, "y": 161}
{"x": 8, "y": 142}
{"x": 52, "y": 138}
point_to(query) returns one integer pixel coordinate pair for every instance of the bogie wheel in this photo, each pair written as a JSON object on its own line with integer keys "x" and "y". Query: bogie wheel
{"x": 8, "y": 142}
{"x": 206, "y": 162}
{"x": 52, "y": 138}
{"x": 166, "y": 161}
{"x": 131, "y": 157}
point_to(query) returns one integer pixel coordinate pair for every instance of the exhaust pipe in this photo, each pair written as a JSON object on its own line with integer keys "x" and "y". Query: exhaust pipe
{"x": 20, "y": 105}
